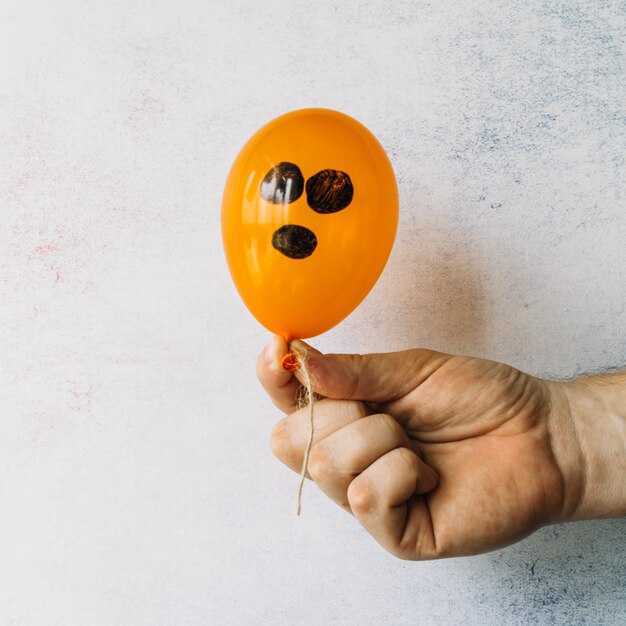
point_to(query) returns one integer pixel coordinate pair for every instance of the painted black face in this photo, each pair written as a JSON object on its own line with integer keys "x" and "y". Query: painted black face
{"x": 328, "y": 191}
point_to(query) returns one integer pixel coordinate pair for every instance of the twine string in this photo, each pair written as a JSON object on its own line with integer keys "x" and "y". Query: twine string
{"x": 306, "y": 398}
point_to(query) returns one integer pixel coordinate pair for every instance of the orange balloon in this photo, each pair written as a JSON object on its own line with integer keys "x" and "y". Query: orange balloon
{"x": 309, "y": 215}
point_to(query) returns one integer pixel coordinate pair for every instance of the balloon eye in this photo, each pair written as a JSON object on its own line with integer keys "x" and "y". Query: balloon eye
{"x": 283, "y": 184}
{"x": 329, "y": 191}
{"x": 296, "y": 242}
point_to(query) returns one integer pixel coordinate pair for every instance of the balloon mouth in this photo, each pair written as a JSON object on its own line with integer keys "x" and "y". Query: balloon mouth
{"x": 295, "y": 242}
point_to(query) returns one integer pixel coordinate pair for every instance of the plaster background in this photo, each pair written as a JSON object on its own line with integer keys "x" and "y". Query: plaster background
{"x": 136, "y": 481}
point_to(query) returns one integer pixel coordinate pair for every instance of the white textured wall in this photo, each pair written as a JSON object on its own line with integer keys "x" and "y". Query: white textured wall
{"x": 136, "y": 482}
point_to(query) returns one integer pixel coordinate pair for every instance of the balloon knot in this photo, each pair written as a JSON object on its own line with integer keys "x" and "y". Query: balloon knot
{"x": 290, "y": 362}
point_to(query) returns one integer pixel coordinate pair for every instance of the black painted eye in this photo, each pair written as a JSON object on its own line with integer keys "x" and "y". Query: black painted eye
{"x": 329, "y": 191}
{"x": 283, "y": 184}
{"x": 296, "y": 242}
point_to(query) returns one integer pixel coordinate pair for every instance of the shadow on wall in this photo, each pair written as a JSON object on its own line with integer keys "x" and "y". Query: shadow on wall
{"x": 439, "y": 300}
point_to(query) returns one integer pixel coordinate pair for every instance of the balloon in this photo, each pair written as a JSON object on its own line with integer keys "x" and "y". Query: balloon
{"x": 309, "y": 215}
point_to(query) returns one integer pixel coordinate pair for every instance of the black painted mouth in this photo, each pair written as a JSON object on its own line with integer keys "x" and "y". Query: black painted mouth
{"x": 295, "y": 242}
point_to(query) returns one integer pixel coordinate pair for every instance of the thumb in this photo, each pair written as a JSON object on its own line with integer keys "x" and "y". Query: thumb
{"x": 369, "y": 377}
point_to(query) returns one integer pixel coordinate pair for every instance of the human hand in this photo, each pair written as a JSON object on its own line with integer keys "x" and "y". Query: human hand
{"x": 439, "y": 455}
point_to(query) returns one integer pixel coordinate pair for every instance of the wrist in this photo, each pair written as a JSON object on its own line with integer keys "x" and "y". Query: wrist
{"x": 589, "y": 433}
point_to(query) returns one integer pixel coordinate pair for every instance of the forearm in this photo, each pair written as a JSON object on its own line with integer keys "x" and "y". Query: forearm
{"x": 592, "y": 418}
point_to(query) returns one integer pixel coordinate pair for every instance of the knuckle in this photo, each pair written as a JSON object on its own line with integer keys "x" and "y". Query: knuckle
{"x": 279, "y": 440}
{"x": 355, "y": 364}
{"x": 361, "y": 497}
{"x": 319, "y": 463}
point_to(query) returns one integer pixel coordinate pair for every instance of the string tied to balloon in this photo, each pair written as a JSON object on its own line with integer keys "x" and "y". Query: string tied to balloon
{"x": 295, "y": 360}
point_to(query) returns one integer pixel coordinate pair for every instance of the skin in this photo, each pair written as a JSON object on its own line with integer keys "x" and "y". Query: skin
{"x": 439, "y": 455}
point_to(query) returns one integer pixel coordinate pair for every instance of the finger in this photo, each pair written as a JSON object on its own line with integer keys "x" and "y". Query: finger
{"x": 338, "y": 458}
{"x": 290, "y": 435}
{"x": 374, "y": 378}
{"x": 381, "y": 498}
{"x": 281, "y": 386}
